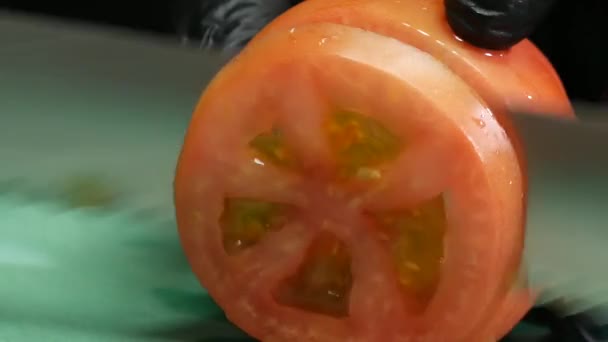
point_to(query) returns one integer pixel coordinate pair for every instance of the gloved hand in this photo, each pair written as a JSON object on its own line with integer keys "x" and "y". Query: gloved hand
{"x": 226, "y": 25}
{"x": 495, "y": 24}
{"x": 570, "y": 33}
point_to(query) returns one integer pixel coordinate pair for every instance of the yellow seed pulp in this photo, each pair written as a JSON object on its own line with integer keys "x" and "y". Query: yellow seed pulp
{"x": 360, "y": 143}
{"x": 323, "y": 282}
{"x": 416, "y": 239}
{"x": 244, "y": 222}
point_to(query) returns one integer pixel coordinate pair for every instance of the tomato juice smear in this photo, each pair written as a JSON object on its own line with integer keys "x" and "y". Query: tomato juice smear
{"x": 332, "y": 67}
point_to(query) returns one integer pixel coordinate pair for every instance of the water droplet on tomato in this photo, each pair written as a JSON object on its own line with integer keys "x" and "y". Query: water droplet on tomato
{"x": 291, "y": 36}
{"x": 494, "y": 54}
{"x": 480, "y": 122}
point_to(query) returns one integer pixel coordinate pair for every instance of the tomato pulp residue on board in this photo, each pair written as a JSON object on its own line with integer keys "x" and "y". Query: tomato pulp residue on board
{"x": 88, "y": 192}
{"x": 323, "y": 281}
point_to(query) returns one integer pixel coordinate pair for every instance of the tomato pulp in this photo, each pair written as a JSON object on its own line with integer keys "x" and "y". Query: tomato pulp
{"x": 351, "y": 176}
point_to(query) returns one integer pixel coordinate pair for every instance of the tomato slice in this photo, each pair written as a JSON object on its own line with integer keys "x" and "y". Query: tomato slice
{"x": 338, "y": 184}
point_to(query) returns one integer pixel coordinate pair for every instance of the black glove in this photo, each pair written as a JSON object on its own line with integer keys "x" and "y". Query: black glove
{"x": 225, "y": 24}
{"x": 495, "y": 24}
{"x": 571, "y": 33}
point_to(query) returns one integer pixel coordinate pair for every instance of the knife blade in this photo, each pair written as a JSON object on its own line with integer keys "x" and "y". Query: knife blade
{"x": 567, "y": 216}
{"x": 95, "y": 116}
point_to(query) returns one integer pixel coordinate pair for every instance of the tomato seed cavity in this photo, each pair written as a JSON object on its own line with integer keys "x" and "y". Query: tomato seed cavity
{"x": 416, "y": 239}
{"x": 360, "y": 144}
{"x": 244, "y": 222}
{"x": 323, "y": 282}
{"x": 271, "y": 146}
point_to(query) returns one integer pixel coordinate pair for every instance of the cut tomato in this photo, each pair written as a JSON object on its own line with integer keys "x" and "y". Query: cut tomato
{"x": 351, "y": 176}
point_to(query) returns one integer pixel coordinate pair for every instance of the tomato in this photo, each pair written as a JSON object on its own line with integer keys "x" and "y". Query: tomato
{"x": 351, "y": 176}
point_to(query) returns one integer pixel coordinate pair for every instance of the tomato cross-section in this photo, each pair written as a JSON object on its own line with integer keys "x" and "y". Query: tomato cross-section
{"x": 338, "y": 184}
